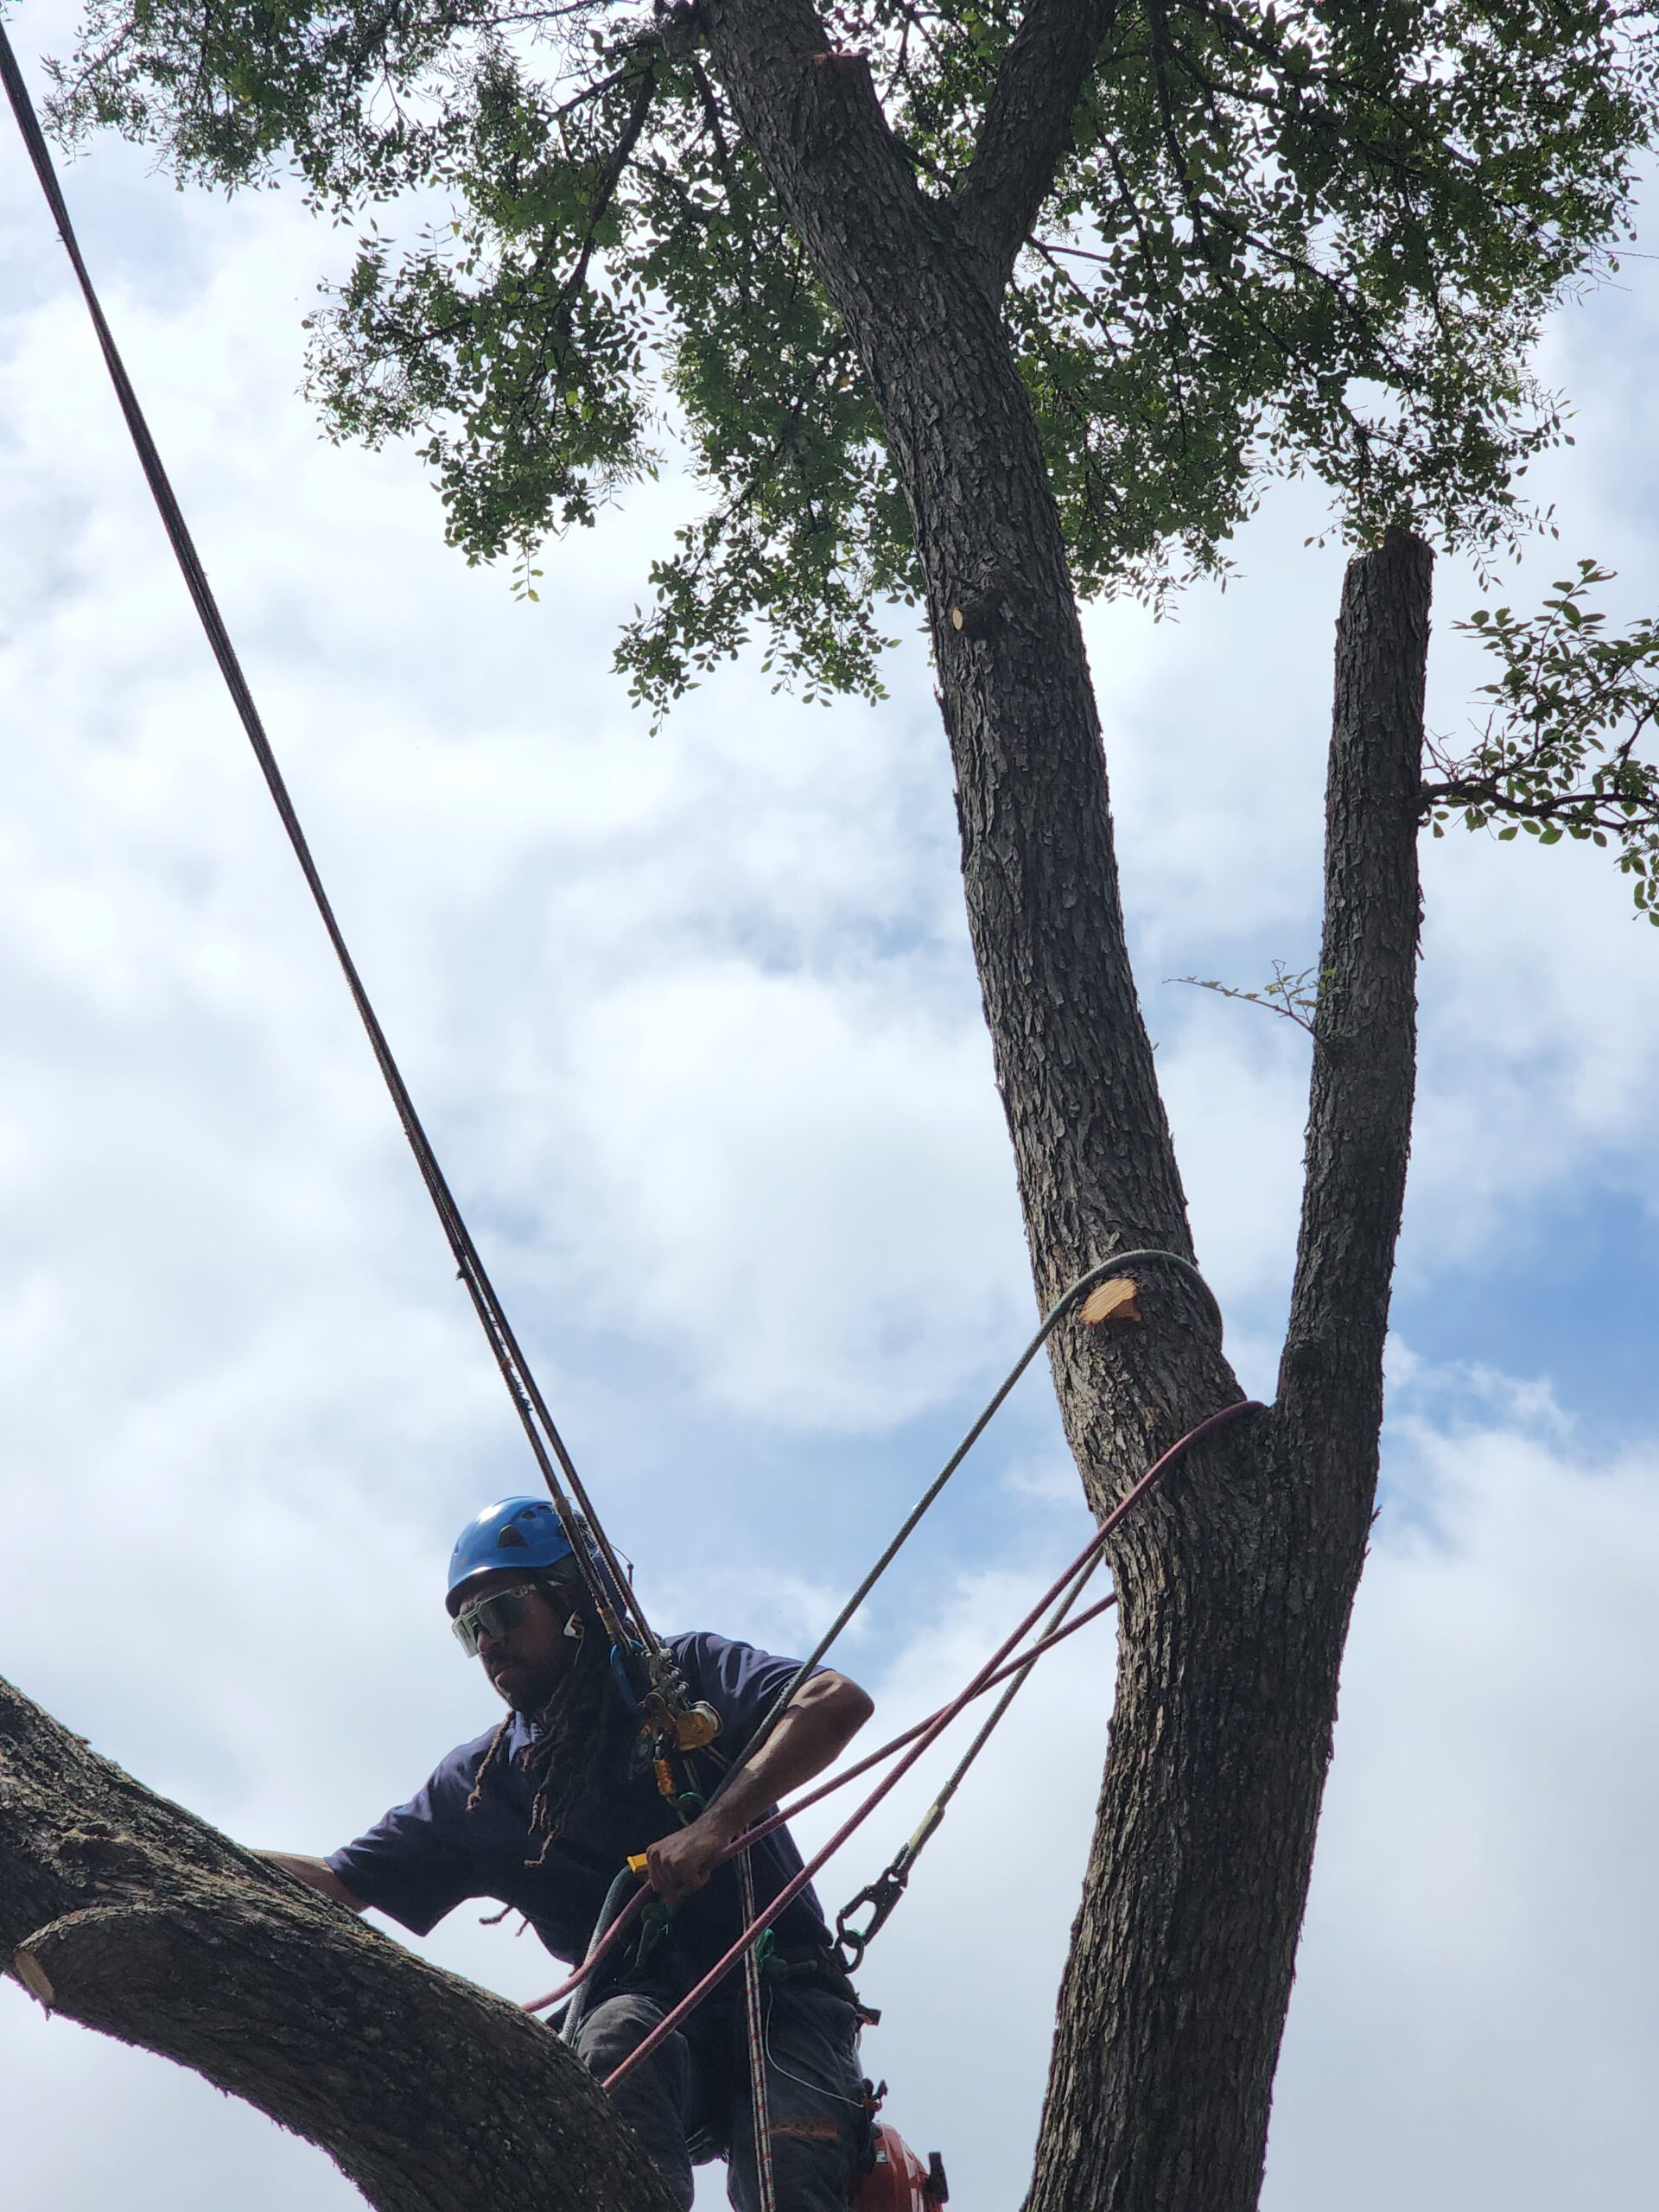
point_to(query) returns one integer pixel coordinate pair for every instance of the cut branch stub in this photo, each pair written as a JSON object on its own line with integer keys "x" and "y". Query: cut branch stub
{"x": 33, "y": 1976}
{"x": 976, "y": 608}
{"x": 1112, "y": 1301}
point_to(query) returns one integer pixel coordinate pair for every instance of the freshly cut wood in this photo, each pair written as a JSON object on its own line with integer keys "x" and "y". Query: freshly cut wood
{"x": 1112, "y": 1301}
{"x": 33, "y": 1977}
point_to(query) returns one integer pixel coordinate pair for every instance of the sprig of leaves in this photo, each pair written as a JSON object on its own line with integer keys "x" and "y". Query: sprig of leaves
{"x": 1557, "y": 755}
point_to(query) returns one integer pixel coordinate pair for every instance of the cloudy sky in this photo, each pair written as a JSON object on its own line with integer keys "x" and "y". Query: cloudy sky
{"x": 693, "y": 1021}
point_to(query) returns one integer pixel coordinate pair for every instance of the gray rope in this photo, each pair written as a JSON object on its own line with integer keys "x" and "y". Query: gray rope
{"x": 882, "y": 1895}
{"x": 1106, "y": 1270}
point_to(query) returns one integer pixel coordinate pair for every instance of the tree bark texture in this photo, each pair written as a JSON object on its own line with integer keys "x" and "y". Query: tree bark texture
{"x": 1235, "y": 1581}
{"x": 129, "y": 1915}
{"x": 1175, "y": 1996}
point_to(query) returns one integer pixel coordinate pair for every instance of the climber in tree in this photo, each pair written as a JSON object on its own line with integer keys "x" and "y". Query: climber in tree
{"x": 544, "y": 1812}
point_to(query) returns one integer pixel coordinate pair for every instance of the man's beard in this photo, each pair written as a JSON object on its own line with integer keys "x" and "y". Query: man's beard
{"x": 535, "y": 1693}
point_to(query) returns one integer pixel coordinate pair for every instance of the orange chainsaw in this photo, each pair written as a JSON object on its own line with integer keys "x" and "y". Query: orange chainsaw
{"x": 898, "y": 2182}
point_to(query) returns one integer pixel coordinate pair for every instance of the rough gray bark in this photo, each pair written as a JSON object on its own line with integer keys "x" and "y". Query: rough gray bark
{"x": 129, "y": 1915}
{"x": 1235, "y": 1613}
{"x": 1026, "y": 127}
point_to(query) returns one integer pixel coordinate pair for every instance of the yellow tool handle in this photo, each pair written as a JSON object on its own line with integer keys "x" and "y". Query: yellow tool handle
{"x": 639, "y": 1863}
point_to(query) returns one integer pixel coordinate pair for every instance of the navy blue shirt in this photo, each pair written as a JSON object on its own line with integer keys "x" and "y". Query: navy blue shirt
{"x": 426, "y": 1856}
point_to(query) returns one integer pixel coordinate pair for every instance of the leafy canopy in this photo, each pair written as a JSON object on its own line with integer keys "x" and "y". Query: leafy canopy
{"x": 1316, "y": 236}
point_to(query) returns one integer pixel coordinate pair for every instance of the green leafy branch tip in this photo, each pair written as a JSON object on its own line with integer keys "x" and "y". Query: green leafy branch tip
{"x": 1321, "y": 235}
{"x": 1558, "y": 754}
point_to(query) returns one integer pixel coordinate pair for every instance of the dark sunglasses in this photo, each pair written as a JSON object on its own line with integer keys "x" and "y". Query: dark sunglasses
{"x": 493, "y": 1615}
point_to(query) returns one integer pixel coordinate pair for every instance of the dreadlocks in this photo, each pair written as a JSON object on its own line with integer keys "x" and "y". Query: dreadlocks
{"x": 581, "y": 1734}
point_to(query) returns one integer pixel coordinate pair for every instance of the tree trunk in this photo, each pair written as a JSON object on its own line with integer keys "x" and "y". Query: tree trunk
{"x": 1237, "y": 1580}
{"x": 1182, "y": 1954}
{"x": 125, "y": 1913}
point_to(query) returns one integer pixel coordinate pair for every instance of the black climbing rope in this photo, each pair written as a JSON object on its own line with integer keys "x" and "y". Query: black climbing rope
{"x": 607, "y": 1585}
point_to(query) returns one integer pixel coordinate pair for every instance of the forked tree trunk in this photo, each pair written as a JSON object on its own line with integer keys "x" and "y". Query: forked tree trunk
{"x": 1236, "y": 1580}
{"x": 1236, "y": 1607}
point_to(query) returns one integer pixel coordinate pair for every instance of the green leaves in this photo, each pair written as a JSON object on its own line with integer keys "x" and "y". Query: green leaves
{"x": 1324, "y": 237}
{"x": 807, "y": 537}
{"x": 1558, "y": 756}
{"x": 529, "y": 389}
{"x": 1315, "y": 237}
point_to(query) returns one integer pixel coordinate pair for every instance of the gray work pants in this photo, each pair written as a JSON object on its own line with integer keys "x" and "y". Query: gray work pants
{"x": 696, "y": 2084}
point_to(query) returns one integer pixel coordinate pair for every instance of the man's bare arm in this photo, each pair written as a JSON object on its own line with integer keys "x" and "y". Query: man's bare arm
{"x": 823, "y": 1717}
{"x": 316, "y": 1874}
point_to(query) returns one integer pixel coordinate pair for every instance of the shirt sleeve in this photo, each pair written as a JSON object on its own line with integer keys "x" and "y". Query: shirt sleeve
{"x": 742, "y": 1682}
{"x": 412, "y": 1864}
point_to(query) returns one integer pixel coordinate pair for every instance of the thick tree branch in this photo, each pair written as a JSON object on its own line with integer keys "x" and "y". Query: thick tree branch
{"x": 1365, "y": 1053}
{"x": 1026, "y": 127}
{"x": 129, "y": 1915}
{"x": 1606, "y": 809}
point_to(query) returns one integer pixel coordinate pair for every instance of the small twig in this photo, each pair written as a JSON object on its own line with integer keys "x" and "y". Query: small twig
{"x": 1297, "y": 997}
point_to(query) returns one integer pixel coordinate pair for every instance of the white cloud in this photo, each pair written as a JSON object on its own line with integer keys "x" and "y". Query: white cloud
{"x": 1473, "y": 2020}
{"x": 859, "y": 1154}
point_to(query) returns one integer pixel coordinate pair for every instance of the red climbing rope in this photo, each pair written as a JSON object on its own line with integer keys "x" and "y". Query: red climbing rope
{"x": 941, "y": 1720}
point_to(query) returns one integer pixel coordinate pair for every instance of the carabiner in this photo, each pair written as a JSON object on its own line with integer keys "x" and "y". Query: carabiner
{"x": 881, "y": 1896}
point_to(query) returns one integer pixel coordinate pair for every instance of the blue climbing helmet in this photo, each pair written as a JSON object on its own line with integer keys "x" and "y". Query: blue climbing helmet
{"x": 514, "y": 1532}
